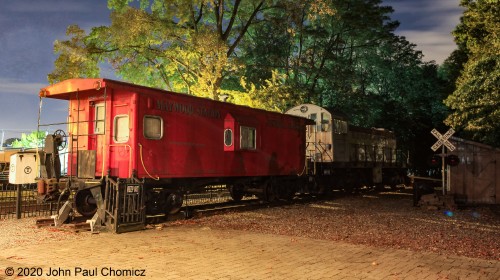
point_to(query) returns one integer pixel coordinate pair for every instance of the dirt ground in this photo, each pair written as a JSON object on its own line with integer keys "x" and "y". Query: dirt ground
{"x": 365, "y": 236}
{"x": 385, "y": 220}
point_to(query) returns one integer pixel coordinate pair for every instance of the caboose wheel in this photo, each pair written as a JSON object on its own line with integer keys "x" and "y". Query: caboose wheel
{"x": 285, "y": 192}
{"x": 269, "y": 193}
{"x": 236, "y": 192}
{"x": 174, "y": 203}
{"x": 85, "y": 203}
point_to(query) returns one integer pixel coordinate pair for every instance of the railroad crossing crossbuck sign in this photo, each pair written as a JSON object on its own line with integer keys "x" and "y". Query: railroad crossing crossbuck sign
{"x": 443, "y": 139}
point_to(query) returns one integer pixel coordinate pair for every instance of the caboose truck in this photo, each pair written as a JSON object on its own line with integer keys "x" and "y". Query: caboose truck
{"x": 134, "y": 150}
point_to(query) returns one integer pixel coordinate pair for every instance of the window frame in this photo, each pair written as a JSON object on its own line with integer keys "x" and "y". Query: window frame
{"x": 340, "y": 126}
{"x": 254, "y": 138}
{"x": 144, "y": 127}
{"x": 225, "y": 137}
{"x": 98, "y": 122}
{"x": 116, "y": 127}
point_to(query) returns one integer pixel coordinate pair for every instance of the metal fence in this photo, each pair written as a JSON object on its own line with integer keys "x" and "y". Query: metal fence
{"x": 20, "y": 201}
{"x": 4, "y": 178}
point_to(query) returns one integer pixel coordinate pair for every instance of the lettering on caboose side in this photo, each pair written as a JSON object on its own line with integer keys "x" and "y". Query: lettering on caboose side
{"x": 289, "y": 124}
{"x": 187, "y": 109}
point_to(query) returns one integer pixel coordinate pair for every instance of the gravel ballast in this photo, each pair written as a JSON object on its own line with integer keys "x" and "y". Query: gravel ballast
{"x": 386, "y": 219}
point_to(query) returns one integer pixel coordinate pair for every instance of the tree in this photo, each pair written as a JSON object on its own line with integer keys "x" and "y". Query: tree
{"x": 476, "y": 99}
{"x": 74, "y": 59}
{"x": 32, "y": 140}
{"x": 317, "y": 46}
{"x": 187, "y": 46}
{"x": 9, "y": 141}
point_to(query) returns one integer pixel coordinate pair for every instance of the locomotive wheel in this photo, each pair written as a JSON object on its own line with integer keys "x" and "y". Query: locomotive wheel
{"x": 173, "y": 203}
{"x": 85, "y": 203}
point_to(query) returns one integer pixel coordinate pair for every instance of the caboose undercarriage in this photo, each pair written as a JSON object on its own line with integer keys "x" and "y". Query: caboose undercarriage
{"x": 123, "y": 203}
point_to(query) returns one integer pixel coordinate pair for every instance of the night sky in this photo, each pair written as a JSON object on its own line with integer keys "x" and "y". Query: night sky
{"x": 28, "y": 29}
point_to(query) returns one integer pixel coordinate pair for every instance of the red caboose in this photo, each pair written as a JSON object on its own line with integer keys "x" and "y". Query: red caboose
{"x": 170, "y": 143}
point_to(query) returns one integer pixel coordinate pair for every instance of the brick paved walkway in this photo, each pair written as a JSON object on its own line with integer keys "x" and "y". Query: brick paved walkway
{"x": 194, "y": 252}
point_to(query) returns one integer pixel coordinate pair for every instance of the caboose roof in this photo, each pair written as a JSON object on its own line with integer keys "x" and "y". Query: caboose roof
{"x": 66, "y": 89}
{"x": 63, "y": 90}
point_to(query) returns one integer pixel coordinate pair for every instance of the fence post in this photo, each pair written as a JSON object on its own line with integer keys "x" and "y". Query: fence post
{"x": 18, "y": 200}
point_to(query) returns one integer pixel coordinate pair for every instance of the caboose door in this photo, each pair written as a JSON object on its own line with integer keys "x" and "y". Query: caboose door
{"x": 123, "y": 126}
{"x": 97, "y": 137}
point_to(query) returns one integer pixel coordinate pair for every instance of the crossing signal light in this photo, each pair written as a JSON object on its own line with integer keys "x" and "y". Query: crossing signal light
{"x": 452, "y": 160}
{"x": 435, "y": 161}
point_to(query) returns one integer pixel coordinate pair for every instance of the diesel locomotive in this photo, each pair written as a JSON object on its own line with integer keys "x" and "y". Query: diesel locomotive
{"x": 131, "y": 150}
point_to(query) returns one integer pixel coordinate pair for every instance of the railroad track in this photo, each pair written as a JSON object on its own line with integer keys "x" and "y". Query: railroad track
{"x": 208, "y": 204}
{"x": 188, "y": 212}
{"x": 79, "y": 223}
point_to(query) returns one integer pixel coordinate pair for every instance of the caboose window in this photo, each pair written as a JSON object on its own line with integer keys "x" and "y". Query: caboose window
{"x": 153, "y": 127}
{"x": 228, "y": 137}
{"x": 248, "y": 138}
{"x": 121, "y": 131}
{"x": 99, "y": 118}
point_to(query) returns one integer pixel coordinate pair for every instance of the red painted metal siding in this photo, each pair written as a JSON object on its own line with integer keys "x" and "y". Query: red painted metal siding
{"x": 193, "y": 139}
{"x": 192, "y": 142}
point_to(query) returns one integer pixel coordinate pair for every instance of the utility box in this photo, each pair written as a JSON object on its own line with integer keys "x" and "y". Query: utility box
{"x": 23, "y": 168}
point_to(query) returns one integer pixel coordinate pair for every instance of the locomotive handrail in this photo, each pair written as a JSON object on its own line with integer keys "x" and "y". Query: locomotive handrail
{"x": 320, "y": 147}
{"x": 324, "y": 150}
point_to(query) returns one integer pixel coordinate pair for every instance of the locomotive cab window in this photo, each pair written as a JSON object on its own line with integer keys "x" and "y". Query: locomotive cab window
{"x": 121, "y": 129}
{"x": 248, "y": 138}
{"x": 313, "y": 117}
{"x": 228, "y": 137}
{"x": 99, "y": 118}
{"x": 325, "y": 123}
{"x": 340, "y": 126}
{"x": 153, "y": 127}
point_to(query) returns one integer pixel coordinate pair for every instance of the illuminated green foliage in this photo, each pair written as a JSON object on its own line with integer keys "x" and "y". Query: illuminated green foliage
{"x": 75, "y": 59}
{"x": 476, "y": 99}
{"x": 32, "y": 140}
{"x": 186, "y": 46}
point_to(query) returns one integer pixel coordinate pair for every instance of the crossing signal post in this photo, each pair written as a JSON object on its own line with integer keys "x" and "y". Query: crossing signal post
{"x": 443, "y": 142}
